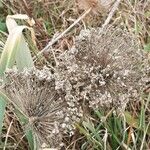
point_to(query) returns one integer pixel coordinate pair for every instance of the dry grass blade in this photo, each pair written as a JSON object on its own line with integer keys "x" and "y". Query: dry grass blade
{"x": 7, "y": 135}
{"x": 63, "y": 33}
{"x": 111, "y": 13}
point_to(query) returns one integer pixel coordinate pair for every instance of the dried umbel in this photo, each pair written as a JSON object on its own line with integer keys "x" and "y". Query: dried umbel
{"x": 104, "y": 68}
{"x": 33, "y": 92}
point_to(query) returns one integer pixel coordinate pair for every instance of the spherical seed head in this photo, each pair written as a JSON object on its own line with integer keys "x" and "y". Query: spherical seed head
{"x": 33, "y": 93}
{"x": 104, "y": 68}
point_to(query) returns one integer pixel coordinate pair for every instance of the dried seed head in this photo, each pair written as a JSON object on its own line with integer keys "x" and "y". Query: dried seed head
{"x": 104, "y": 69}
{"x": 33, "y": 92}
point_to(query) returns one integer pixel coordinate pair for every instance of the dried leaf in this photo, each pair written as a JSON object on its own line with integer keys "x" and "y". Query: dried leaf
{"x": 16, "y": 48}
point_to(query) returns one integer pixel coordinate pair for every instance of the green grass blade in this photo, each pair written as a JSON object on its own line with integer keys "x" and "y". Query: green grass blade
{"x": 24, "y": 121}
{"x": 1, "y": 5}
{"x": 23, "y": 55}
{"x": 30, "y": 139}
{"x": 14, "y": 46}
{"x": 147, "y": 47}
{"x": 2, "y": 112}
{"x": 134, "y": 122}
{"x": 3, "y": 27}
{"x": 15, "y": 51}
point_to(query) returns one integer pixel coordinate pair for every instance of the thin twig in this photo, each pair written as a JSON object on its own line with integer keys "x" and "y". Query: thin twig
{"x": 7, "y": 134}
{"x": 16, "y": 146}
{"x": 111, "y": 13}
{"x": 63, "y": 33}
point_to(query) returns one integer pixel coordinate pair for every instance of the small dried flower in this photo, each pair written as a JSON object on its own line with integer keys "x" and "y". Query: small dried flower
{"x": 33, "y": 93}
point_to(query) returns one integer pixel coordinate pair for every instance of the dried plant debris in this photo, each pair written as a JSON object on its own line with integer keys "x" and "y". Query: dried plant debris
{"x": 104, "y": 69}
{"x": 33, "y": 92}
{"x": 95, "y": 5}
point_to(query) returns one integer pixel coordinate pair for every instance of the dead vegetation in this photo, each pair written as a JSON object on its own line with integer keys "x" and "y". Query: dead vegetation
{"x": 105, "y": 69}
{"x": 87, "y": 73}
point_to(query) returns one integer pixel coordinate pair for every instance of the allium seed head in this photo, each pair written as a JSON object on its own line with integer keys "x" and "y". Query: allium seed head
{"x": 104, "y": 68}
{"x": 33, "y": 92}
